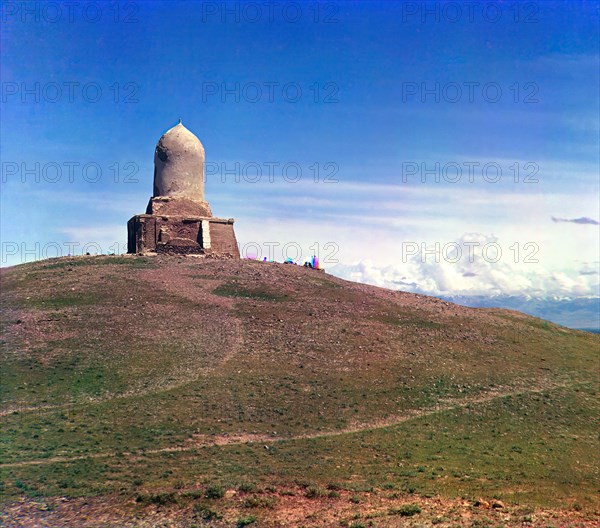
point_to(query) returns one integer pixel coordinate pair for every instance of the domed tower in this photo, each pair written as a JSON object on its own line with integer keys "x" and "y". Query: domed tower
{"x": 178, "y": 219}
{"x": 179, "y": 165}
{"x": 179, "y": 174}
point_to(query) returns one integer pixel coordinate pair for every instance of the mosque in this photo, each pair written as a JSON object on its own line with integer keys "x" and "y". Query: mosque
{"x": 178, "y": 218}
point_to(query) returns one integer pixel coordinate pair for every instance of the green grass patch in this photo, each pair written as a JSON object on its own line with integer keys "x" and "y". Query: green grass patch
{"x": 236, "y": 290}
{"x": 407, "y": 510}
{"x": 132, "y": 261}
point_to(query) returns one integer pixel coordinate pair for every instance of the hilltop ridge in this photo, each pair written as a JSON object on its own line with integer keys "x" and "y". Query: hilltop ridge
{"x": 165, "y": 375}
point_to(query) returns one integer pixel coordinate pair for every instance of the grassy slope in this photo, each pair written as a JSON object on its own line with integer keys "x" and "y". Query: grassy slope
{"x": 119, "y": 358}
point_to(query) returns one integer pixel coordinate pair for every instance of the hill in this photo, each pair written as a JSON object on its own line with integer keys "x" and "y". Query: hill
{"x": 145, "y": 390}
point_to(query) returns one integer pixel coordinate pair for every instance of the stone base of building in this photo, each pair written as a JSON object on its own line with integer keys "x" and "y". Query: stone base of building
{"x": 180, "y": 234}
{"x": 166, "y": 206}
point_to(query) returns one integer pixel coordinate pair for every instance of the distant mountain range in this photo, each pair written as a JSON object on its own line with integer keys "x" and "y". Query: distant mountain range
{"x": 579, "y": 313}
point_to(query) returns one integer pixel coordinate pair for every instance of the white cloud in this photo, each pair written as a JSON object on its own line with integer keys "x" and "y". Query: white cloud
{"x": 475, "y": 269}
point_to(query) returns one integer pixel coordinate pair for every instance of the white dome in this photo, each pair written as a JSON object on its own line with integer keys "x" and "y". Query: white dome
{"x": 179, "y": 165}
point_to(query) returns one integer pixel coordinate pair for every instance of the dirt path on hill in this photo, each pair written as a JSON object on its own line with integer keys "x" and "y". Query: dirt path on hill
{"x": 200, "y": 441}
{"x": 180, "y": 283}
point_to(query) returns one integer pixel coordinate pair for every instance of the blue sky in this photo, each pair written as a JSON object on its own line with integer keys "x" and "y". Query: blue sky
{"x": 370, "y": 93}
